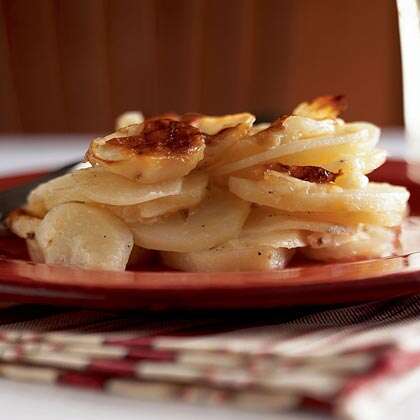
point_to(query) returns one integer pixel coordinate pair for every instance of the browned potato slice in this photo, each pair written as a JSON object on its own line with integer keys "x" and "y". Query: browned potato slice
{"x": 225, "y": 259}
{"x": 155, "y": 151}
{"x": 82, "y": 235}
{"x": 322, "y": 107}
{"x": 217, "y": 219}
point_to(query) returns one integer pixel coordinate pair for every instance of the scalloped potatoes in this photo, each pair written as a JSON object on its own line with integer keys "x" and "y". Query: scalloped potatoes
{"x": 209, "y": 193}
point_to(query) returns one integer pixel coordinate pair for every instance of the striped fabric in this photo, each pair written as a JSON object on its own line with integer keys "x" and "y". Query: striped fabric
{"x": 349, "y": 360}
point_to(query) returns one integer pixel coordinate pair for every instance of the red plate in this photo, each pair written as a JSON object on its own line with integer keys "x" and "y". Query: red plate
{"x": 24, "y": 281}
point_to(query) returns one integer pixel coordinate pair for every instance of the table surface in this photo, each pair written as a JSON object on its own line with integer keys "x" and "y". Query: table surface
{"x": 22, "y": 401}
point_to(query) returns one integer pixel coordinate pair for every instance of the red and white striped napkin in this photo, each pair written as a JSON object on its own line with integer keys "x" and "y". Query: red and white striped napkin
{"x": 352, "y": 361}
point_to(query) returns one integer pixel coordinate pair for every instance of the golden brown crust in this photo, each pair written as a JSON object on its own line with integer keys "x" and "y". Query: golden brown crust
{"x": 322, "y": 107}
{"x": 162, "y": 136}
{"x": 241, "y": 130}
{"x": 306, "y": 173}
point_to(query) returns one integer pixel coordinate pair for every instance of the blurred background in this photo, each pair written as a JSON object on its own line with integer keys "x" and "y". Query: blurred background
{"x": 71, "y": 66}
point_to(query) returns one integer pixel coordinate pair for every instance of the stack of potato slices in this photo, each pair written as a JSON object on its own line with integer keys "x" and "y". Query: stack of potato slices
{"x": 219, "y": 194}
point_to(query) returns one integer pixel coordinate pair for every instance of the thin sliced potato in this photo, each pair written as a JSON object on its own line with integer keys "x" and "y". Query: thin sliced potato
{"x": 216, "y": 220}
{"x": 264, "y": 220}
{"x": 25, "y": 226}
{"x": 379, "y": 243}
{"x": 386, "y": 219}
{"x": 129, "y": 118}
{"x": 297, "y": 127}
{"x": 375, "y": 197}
{"x": 192, "y": 193}
{"x": 22, "y": 224}
{"x": 247, "y": 147}
{"x": 218, "y": 144}
{"x": 99, "y": 186}
{"x": 85, "y": 236}
{"x": 267, "y": 219}
{"x": 257, "y": 128}
{"x": 270, "y": 137}
{"x": 365, "y": 163}
{"x": 224, "y": 259}
{"x": 194, "y": 187}
{"x": 212, "y": 125}
{"x": 276, "y": 239}
{"x": 157, "y": 150}
{"x": 353, "y": 139}
{"x": 322, "y": 107}
{"x": 105, "y": 187}
{"x": 57, "y": 191}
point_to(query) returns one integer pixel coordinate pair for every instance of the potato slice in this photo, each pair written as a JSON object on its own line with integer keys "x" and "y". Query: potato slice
{"x": 351, "y": 139}
{"x": 224, "y": 259}
{"x": 267, "y": 219}
{"x": 297, "y": 127}
{"x": 192, "y": 193}
{"x": 82, "y": 235}
{"x": 212, "y": 125}
{"x": 96, "y": 185}
{"x": 322, "y": 107}
{"x": 128, "y": 118}
{"x": 217, "y": 219}
{"x": 105, "y": 187}
{"x": 276, "y": 239}
{"x": 377, "y": 243}
{"x": 257, "y": 128}
{"x": 386, "y": 219}
{"x": 290, "y": 194}
{"x": 155, "y": 151}
{"x": 194, "y": 187}
{"x": 49, "y": 194}
{"x": 247, "y": 147}
{"x": 22, "y": 224}
{"x": 364, "y": 162}
{"x": 25, "y": 226}
{"x": 264, "y": 220}
{"x": 218, "y": 144}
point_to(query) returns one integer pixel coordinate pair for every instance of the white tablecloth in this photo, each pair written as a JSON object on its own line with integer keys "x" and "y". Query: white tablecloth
{"x": 20, "y": 154}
